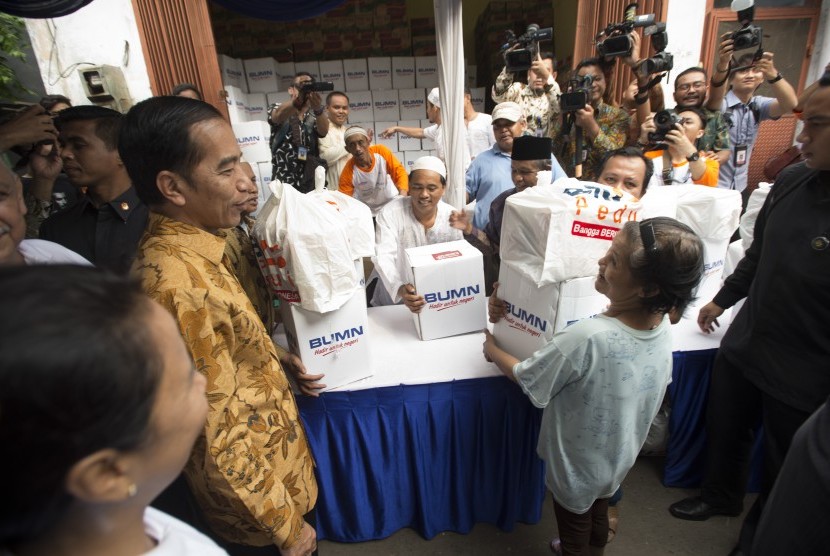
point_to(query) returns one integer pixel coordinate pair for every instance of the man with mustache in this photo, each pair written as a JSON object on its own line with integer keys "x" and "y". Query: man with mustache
{"x": 690, "y": 90}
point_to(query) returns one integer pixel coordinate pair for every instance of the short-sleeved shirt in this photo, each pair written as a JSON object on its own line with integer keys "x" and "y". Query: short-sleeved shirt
{"x": 715, "y": 134}
{"x": 613, "y": 125}
{"x": 743, "y": 121}
{"x": 377, "y": 185}
{"x": 682, "y": 173}
{"x": 600, "y": 383}
{"x": 480, "y": 135}
{"x": 540, "y": 110}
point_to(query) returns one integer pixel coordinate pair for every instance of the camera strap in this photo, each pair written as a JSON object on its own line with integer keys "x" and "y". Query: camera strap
{"x": 652, "y": 82}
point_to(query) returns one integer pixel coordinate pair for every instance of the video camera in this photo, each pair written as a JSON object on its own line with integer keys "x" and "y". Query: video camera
{"x": 522, "y": 58}
{"x": 617, "y": 42}
{"x": 664, "y": 121}
{"x": 662, "y": 61}
{"x": 749, "y": 35}
{"x": 317, "y": 87}
{"x": 578, "y": 95}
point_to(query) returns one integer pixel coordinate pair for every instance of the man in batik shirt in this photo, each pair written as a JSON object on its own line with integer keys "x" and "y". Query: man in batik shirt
{"x": 539, "y": 99}
{"x": 251, "y": 471}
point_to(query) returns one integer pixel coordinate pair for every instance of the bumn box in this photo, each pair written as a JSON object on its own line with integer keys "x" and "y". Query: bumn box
{"x": 392, "y": 142}
{"x": 403, "y": 72}
{"x": 233, "y": 72}
{"x": 409, "y": 158}
{"x": 286, "y": 72}
{"x": 257, "y": 104}
{"x": 332, "y": 70}
{"x": 278, "y": 98}
{"x": 311, "y": 67}
{"x": 450, "y": 277}
{"x": 262, "y": 75}
{"x": 253, "y": 139}
{"x": 357, "y": 75}
{"x": 360, "y": 107}
{"x": 426, "y": 71}
{"x": 237, "y": 103}
{"x": 380, "y": 73}
{"x": 406, "y": 143}
{"x": 477, "y": 95}
{"x": 412, "y": 103}
{"x": 385, "y": 105}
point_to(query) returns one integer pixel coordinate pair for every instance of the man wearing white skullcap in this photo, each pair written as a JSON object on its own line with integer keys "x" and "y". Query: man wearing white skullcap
{"x": 373, "y": 175}
{"x": 421, "y": 219}
{"x": 432, "y": 132}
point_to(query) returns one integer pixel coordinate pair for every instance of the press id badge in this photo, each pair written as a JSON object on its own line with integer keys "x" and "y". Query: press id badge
{"x": 740, "y": 155}
{"x": 302, "y": 153}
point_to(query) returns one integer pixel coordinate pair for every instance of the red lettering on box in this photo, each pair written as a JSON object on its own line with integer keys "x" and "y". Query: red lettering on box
{"x": 587, "y": 229}
{"x": 446, "y": 255}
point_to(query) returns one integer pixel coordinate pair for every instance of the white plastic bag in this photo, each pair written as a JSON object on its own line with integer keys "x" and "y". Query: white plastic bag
{"x": 358, "y": 216}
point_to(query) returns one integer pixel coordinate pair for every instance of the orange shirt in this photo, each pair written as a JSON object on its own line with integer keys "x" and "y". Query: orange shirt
{"x": 709, "y": 177}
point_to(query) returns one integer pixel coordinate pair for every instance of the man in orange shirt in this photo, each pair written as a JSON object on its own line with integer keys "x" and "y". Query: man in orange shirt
{"x": 373, "y": 175}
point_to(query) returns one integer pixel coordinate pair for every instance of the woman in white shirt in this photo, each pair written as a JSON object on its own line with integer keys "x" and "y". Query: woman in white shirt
{"x": 100, "y": 405}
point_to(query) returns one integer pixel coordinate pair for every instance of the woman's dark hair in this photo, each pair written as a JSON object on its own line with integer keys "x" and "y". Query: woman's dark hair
{"x": 628, "y": 152}
{"x": 156, "y": 136}
{"x": 78, "y": 373}
{"x": 49, "y": 101}
{"x": 107, "y": 121}
{"x": 672, "y": 269}
{"x": 182, "y": 87}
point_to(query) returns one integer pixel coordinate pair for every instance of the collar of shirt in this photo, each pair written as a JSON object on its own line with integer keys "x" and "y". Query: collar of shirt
{"x": 123, "y": 205}
{"x": 497, "y": 151}
{"x": 203, "y": 243}
{"x": 732, "y": 99}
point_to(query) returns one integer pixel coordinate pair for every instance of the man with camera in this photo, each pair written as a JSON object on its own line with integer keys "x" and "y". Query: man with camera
{"x": 733, "y": 93}
{"x": 539, "y": 98}
{"x": 598, "y": 126}
{"x": 296, "y": 128}
{"x": 690, "y": 91}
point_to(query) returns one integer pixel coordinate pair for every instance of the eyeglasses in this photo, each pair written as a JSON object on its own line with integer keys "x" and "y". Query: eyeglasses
{"x": 686, "y": 86}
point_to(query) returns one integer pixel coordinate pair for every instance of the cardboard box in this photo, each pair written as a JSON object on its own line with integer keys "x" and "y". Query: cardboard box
{"x": 286, "y": 72}
{"x": 412, "y": 103}
{"x": 380, "y": 73}
{"x": 426, "y": 71}
{"x": 477, "y": 96}
{"x": 427, "y": 144}
{"x": 357, "y": 75}
{"x": 450, "y": 277}
{"x": 265, "y": 171}
{"x": 278, "y": 98}
{"x": 471, "y": 76}
{"x": 409, "y": 143}
{"x": 385, "y": 105}
{"x": 392, "y": 142}
{"x": 253, "y": 139}
{"x": 409, "y": 158}
{"x": 333, "y": 71}
{"x": 535, "y": 313}
{"x": 334, "y": 343}
{"x": 311, "y": 67}
{"x": 256, "y": 107}
{"x": 262, "y": 75}
{"x": 403, "y": 72}
{"x": 237, "y": 101}
{"x": 233, "y": 72}
{"x": 360, "y": 107}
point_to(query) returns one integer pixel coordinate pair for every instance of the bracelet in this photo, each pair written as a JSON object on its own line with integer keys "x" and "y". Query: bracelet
{"x": 640, "y": 99}
{"x": 775, "y": 79}
{"x": 719, "y": 83}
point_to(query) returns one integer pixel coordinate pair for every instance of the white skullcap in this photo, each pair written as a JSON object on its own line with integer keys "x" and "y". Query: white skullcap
{"x": 432, "y": 163}
{"x": 355, "y": 130}
{"x": 434, "y": 97}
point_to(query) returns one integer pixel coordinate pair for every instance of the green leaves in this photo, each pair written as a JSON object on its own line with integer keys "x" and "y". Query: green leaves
{"x": 12, "y": 38}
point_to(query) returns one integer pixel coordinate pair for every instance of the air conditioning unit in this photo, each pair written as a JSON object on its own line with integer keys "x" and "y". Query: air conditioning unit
{"x": 106, "y": 86}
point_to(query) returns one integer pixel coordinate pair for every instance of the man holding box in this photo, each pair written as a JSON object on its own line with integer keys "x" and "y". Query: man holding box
{"x": 373, "y": 176}
{"x": 420, "y": 219}
{"x": 251, "y": 470}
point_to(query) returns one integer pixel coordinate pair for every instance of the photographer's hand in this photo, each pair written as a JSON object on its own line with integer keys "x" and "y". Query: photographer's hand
{"x": 765, "y": 66}
{"x": 33, "y": 125}
{"x": 721, "y": 74}
{"x": 538, "y": 67}
{"x": 645, "y": 128}
{"x": 633, "y": 59}
{"x": 584, "y": 118}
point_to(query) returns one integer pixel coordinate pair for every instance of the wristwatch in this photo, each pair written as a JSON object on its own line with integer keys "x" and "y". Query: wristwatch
{"x": 694, "y": 157}
{"x": 775, "y": 79}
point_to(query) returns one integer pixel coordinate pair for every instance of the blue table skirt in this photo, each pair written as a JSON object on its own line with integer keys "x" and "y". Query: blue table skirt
{"x": 436, "y": 457}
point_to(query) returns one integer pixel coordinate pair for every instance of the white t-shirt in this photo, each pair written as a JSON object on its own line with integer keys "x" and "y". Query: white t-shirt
{"x": 176, "y": 538}
{"x": 600, "y": 383}
{"x": 480, "y": 134}
{"x": 434, "y": 133}
{"x": 40, "y": 251}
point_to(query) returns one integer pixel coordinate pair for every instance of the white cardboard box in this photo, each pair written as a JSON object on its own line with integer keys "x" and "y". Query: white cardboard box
{"x": 253, "y": 139}
{"x": 380, "y": 73}
{"x": 311, "y": 67}
{"x": 332, "y": 70}
{"x": 286, "y": 73}
{"x": 357, "y": 75}
{"x": 265, "y": 169}
{"x": 426, "y": 71}
{"x": 412, "y": 103}
{"x": 392, "y": 142}
{"x": 535, "y": 313}
{"x": 409, "y": 158}
{"x": 403, "y": 72}
{"x": 334, "y": 343}
{"x": 262, "y": 75}
{"x": 257, "y": 104}
{"x": 408, "y": 143}
{"x": 278, "y": 98}
{"x": 477, "y": 95}
{"x": 427, "y": 144}
{"x": 450, "y": 277}
{"x": 360, "y": 107}
{"x": 471, "y": 76}
{"x": 385, "y": 105}
{"x": 233, "y": 72}
{"x": 237, "y": 102}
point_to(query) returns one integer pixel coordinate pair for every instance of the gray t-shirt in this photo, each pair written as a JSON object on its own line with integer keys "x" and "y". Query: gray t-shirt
{"x": 600, "y": 383}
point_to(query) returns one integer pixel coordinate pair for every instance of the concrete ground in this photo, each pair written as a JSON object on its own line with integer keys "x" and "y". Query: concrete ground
{"x": 646, "y": 528}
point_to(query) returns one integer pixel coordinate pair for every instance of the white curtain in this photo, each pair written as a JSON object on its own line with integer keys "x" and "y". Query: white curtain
{"x": 449, "y": 35}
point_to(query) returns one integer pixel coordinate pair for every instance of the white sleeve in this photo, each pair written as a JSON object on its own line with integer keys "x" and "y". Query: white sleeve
{"x": 386, "y": 249}
{"x": 545, "y": 373}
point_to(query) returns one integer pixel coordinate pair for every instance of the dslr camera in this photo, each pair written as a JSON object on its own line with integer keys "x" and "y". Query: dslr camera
{"x": 749, "y": 35}
{"x": 578, "y": 95}
{"x": 617, "y": 42}
{"x": 662, "y": 61}
{"x": 664, "y": 121}
{"x": 317, "y": 87}
{"x": 520, "y": 59}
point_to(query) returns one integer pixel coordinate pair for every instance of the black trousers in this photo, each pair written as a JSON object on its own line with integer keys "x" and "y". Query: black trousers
{"x": 736, "y": 407}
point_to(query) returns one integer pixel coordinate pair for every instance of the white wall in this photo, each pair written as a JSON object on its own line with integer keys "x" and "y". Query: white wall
{"x": 821, "y": 48}
{"x": 103, "y": 32}
{"x": 684, "y": 24}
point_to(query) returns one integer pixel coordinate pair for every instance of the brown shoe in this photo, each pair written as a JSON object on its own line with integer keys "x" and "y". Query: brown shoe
{"x": 613, "y": 521}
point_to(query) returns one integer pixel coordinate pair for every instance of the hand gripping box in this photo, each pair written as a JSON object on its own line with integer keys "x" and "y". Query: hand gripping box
{"x": 262, "y": 75}
{"x": 450, "y": 277}
{"x": 535, "y": 313}
{"x": 333, "y": 343}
